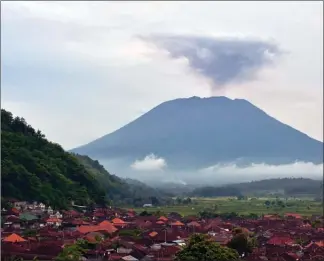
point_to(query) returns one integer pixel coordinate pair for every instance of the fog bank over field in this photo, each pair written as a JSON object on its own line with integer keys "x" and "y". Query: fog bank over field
{"x": 154, "y": 170}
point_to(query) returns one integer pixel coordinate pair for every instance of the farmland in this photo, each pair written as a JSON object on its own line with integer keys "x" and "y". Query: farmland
{"x": 304, "y": 206}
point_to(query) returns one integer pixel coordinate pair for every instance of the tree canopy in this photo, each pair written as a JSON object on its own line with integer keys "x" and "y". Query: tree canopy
{"x": 34, "y": 168}
{"x": 200, "y": 247}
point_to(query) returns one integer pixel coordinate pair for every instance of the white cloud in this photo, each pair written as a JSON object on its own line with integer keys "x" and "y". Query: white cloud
{"x": 149, "y": 163}
{"x": 67, "y": 67}
{"x": 234, "y": 173}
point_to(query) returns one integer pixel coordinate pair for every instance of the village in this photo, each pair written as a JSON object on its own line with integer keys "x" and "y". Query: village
{"x": 31, "y": 231}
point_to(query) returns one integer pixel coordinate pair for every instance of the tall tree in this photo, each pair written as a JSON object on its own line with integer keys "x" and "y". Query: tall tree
{"x": 201, "y": 248}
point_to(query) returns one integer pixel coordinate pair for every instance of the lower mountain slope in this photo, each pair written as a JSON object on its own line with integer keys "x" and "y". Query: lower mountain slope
{"x": 121, "y": 191}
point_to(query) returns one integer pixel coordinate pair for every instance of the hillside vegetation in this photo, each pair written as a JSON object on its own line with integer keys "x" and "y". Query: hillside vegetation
{"x": 121, "y": 191}
{"x": 33, "y": 168}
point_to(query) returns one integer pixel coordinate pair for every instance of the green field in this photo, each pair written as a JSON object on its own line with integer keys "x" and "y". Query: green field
{"x": 303, "y": 206}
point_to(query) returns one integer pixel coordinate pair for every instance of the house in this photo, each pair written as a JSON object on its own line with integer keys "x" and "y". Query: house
{"x": 129, "y": 258}
{"x": 14, "y": 238}
{"x": 147, "y": 205}
{"x": 119, "y": 222}
{"x": 293, "y": 215}
{"x": 42, "y": 206}
{"x": 50, "y": 210}
{"x": 56, "y": 215}
{"x": 20, "y": 204}
{"x": 54, "y": 222}
{"x": 280, "y": 241}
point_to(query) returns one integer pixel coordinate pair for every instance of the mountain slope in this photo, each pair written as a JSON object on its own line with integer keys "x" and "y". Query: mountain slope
{"x": 118, "y": 189}
{"x": 200, "y": 132}
{"x": 32, "y": 168}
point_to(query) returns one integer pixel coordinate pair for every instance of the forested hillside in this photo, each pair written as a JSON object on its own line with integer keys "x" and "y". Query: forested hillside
{"x": 114, "y": 186}
{"x": 33, "y": 168}
{"x": 121, "y": 191}
{"x": 286, "y": 186}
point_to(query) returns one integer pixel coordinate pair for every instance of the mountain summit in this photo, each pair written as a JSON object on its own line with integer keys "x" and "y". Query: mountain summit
{"x": 195, "y": 133}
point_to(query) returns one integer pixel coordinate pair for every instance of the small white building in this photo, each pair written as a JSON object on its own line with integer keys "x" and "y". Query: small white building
{"x": 147, "y": 205}
{"x": 56, "y": 215}
{"x": 54, "y": 221}
{"x": 50, "y": 210}
{"x": 42, "y": 206}
{"x": 20, "y": 204}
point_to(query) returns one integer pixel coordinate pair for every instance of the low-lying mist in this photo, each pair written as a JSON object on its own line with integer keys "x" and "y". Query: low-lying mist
{"x": 155, "y": 171}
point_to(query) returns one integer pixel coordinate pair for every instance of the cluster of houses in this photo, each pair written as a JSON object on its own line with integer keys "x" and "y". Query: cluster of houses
{"x": 30, "y": 230}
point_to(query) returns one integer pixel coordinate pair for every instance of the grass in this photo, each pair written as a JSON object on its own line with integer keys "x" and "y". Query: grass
{"x": 303, "y": 206}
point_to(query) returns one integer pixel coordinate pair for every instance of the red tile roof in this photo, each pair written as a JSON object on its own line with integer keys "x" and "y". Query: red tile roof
{"x": 194, "y": 224}
{"x": 15, "y": 211}
{"x": 293, "y": 215}
{"x": 54, "y": 220}
{"x": 280, "y": 241}
{"x": 320, "y": 243}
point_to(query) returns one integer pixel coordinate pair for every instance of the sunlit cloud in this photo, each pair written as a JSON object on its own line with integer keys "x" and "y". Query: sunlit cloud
{"x": 149, "y": 163}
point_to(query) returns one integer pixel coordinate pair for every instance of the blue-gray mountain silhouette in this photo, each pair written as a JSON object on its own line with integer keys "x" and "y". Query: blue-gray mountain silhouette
{"x": 197, "y": 132}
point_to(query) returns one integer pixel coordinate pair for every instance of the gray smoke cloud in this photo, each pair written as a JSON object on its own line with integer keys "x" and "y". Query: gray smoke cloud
{"x": 223, "y": 60}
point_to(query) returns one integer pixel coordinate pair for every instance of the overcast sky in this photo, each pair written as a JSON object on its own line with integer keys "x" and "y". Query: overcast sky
{"x": 79, "y": 70}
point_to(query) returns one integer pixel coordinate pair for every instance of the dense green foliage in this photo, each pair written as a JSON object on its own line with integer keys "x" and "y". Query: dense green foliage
{"x": 243, "y": 242}
{"x": 114, "y": 186}
{"x": 121, "y": 191}
{"x": 34, "y": 168}
{"x": 200, "y": 248}
{"x": 284, "y": 186}
{"x": 289, "y": 186}
{"x": 71, "y": 253}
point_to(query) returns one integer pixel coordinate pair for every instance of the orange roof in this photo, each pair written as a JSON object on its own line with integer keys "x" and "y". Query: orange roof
{"x": 105, "y": 223}
{"x": 177, "y": 223}
{"x": 153, "y": 234}
{"x": 108, "y": 227}
{"x": 163, "y": 218}
{"x": 118, "y": 221}
{"x": 14, "y": 238}
{"x": 53, "y": 220}
{"x": 160, "y": 222}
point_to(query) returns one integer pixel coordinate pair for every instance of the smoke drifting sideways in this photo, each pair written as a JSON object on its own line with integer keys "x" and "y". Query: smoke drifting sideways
{"x": 153, "y": 170}
{"x": 222, "y": 60}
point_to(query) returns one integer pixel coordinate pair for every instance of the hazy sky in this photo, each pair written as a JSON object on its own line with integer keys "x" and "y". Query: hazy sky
{"x": 79, "y": 70}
